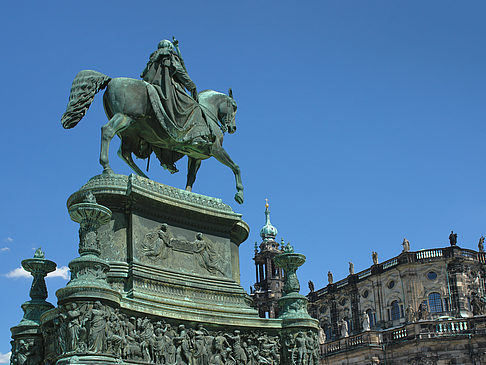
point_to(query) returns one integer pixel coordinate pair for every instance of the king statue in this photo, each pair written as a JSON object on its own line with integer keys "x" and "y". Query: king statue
{"x": 157, "y": 115}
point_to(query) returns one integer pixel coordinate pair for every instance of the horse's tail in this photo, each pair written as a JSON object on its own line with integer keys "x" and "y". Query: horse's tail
{"x": 85, "y": 86}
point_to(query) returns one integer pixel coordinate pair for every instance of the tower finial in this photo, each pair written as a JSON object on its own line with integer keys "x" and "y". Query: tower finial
{"x": 268, "y": 232}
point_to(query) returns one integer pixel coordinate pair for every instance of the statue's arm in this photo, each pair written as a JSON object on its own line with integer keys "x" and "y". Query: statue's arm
{"x": 181, "y": 74}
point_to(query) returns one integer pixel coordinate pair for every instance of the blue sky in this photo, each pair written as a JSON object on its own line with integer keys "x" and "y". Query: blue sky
{"x": 362, "y": 122}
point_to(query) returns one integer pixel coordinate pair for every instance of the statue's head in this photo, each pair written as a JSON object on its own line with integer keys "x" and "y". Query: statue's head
{"x": 165, "y": 44}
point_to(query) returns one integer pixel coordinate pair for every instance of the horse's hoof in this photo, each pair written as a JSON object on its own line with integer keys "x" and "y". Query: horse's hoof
{"x": 108, "y": 171}
{"x": 239, "y": 197}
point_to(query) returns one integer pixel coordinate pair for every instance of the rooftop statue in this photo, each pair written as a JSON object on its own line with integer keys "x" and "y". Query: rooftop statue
{"x": 453, "y": 238}
{"x": 157, "y": 115}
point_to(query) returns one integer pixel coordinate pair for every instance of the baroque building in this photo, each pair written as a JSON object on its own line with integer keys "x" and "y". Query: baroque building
{"x": 420, "y": 307}
{"x": 269, "y": 277}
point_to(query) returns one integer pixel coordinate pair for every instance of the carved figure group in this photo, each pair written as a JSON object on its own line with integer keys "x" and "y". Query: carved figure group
{"x": 159, "y": 244}
{"x": 301, "y": 348}
{"x": 26, "y": 352}
{"x": 97, "y": 328}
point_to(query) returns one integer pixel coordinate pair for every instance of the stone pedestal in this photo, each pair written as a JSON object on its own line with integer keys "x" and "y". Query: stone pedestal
{"x": 157, "y": 282}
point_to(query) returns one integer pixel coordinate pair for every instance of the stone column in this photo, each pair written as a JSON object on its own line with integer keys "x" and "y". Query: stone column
{"x": 299, "y": 329}
{"x": 27, "y": 343}
{"x": 89, "y": 271}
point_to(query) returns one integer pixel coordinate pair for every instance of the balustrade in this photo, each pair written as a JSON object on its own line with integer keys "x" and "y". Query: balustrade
{"x": 429, "y": 254}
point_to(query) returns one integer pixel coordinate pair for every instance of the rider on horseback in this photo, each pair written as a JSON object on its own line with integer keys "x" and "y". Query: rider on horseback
{"x": 166, "y": 58}
{"x": 166, "y": 71}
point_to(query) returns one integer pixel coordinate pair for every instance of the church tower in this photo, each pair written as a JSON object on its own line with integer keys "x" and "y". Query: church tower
{"x": 269, "y": 278}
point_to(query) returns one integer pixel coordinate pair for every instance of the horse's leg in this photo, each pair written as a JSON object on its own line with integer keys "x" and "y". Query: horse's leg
{"x": 115, "y": 125}
{"x": 192, "y": 167}
{"x": 222, "y": 156}
{"x": 125, "y": 153}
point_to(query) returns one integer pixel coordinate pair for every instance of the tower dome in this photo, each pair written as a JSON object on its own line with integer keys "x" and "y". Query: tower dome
{"x": 268, "y": 232}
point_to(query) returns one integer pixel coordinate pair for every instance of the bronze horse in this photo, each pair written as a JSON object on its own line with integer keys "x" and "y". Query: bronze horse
{"x": 132, "y": 117}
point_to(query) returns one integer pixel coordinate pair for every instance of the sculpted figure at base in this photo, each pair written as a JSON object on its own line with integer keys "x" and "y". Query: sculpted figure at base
{"x": 423, "y": 311}
{"x": 343, "y": 324}
{"x": 26, "y": 352}
{"x": 322, "y": 336}
{"x": 157, "y": 115}
{"x": 410, "y": 314}
{"x": 478, "y": 304}
{"x": 301, "y": 348}
{"x": 365, "y": 320}
{"x": 147, "y": 341}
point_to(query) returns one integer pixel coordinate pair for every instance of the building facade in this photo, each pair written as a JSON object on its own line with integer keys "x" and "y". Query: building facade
{"x": 423, "y": 307}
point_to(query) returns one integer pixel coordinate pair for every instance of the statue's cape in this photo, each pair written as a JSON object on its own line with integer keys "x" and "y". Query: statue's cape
{"x": 182, "y": 121}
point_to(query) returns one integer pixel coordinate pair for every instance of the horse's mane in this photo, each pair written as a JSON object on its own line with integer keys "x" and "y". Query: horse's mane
{"x": 209, "y": 92}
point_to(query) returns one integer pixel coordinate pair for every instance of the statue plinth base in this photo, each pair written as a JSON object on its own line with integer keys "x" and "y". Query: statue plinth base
{"x": 157, "y": 282}
{"x": 170, "y": 252}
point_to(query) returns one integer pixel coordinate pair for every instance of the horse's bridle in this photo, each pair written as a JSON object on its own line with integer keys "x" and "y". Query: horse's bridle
{"x": 228, "y": 118}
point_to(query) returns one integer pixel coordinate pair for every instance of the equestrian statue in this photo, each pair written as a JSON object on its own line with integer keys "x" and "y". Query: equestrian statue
{"x": 157, "y": 115}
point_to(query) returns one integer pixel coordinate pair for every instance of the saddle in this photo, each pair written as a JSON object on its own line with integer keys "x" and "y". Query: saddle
{"x": 185, "y": 127}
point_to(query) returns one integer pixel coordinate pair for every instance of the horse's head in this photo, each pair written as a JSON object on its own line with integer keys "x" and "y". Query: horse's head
{"x": 227, "y": 112}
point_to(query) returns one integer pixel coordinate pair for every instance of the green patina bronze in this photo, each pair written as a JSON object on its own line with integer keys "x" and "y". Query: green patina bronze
{"x": 27, "y": 346}
{"x": 292, "y": 304}
{"x": 157, "y": 115}
{"x": 157, "y": 280}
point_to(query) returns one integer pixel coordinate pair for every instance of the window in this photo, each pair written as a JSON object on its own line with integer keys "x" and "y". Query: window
{"x": 391, "y": 284}
{"x": 432, "y": 275}
{"x": 365, "y": 294}
{"x": 395, "y": 310}
{"x": 435, "y": 303}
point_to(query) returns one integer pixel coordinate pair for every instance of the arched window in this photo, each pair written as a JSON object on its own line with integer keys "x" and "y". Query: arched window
{"x": 395, "y": 310}
{"x": 435, "y": 303}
